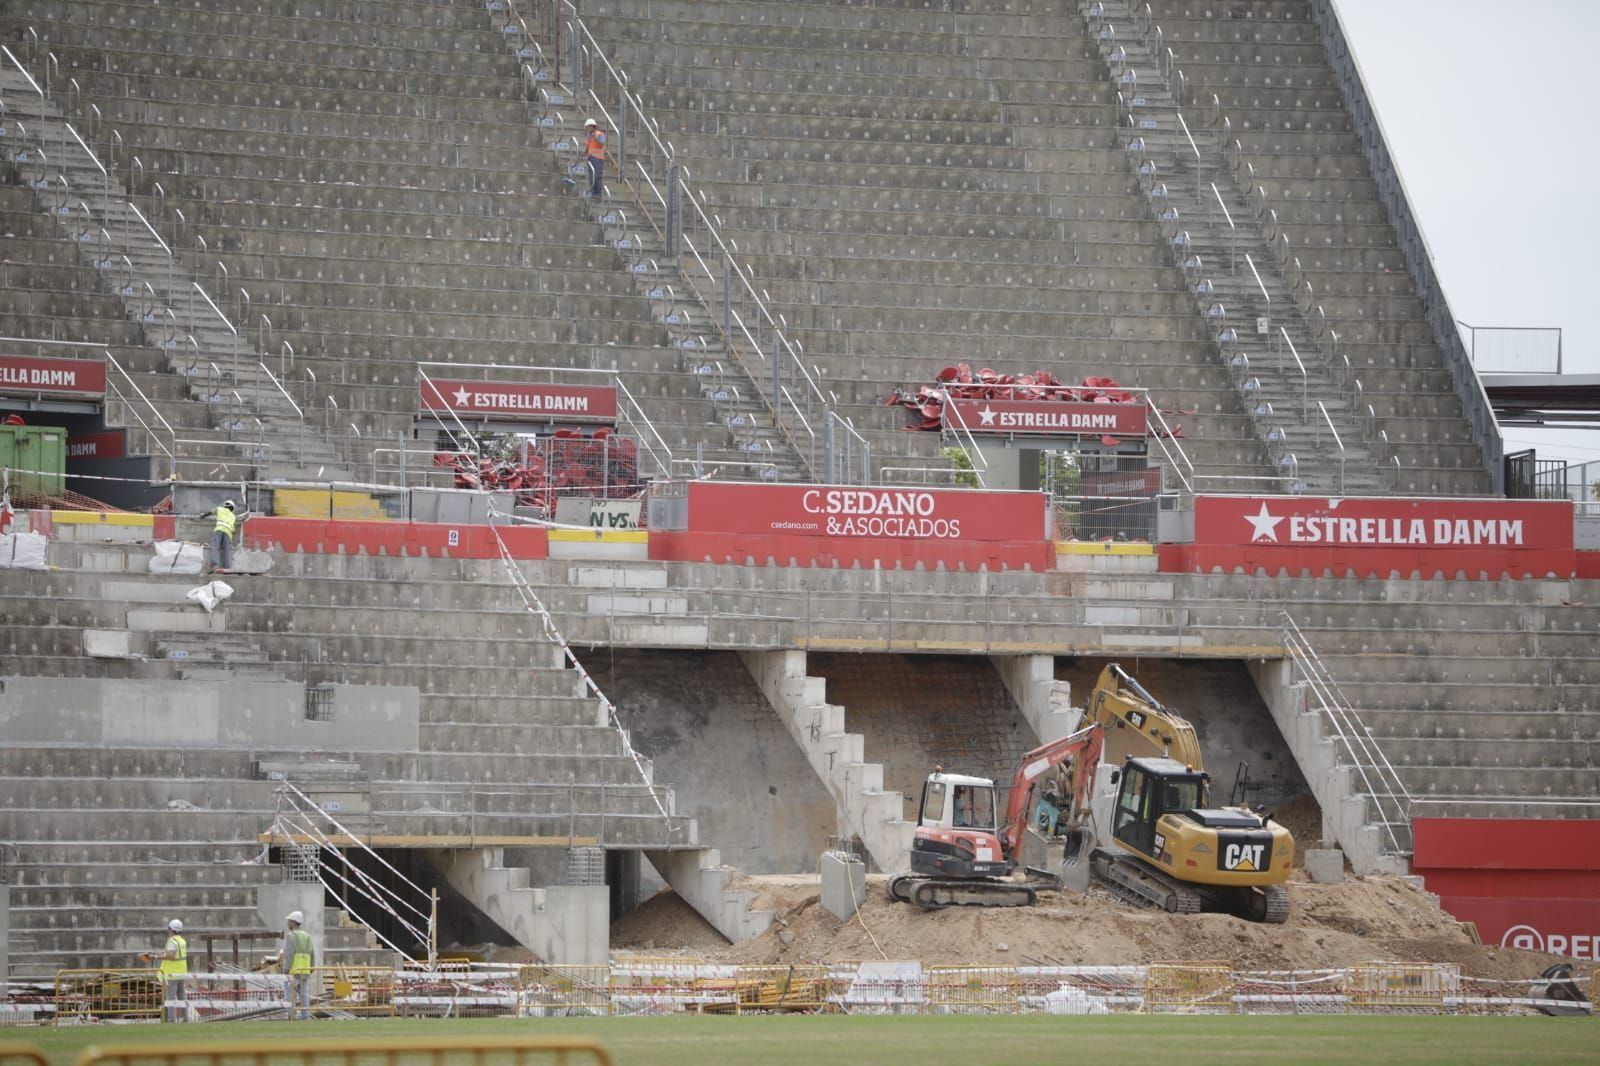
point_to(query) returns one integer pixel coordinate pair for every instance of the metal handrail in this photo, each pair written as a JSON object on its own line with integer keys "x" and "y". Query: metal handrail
{"x": 1233, "y": 232}
{"x": 1305, "y": 380}
{"x": 536, "y": 606}
{"x": 374, "y": 889}
{"x": 1336, "y": 440}
{"x": 1362, "y": 748}
{"x": 154, "y": 411}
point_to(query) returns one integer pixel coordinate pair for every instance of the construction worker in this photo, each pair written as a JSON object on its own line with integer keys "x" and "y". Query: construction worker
{"x": 174, "y": 960}
{"x": 594, "y": 153}
{"x": 222, "y": 537}
{"x": 299, "y": 956}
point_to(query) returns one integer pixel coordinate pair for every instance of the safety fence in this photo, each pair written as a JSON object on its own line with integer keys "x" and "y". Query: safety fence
{"x": 522, "y": 1050}
{"x": 654, "y": 985}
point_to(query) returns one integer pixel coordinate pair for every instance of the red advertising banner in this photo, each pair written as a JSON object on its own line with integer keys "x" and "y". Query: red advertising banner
{"x": 847, "y": 511}
{"x": 26, "y": 373}
{"x": 1526, "y": 883}
{"x": 519, "y": 401}
{"x": 1296, "y": 521}
{"x": 108, "y": 445}
{"x": 1047, "y": 418}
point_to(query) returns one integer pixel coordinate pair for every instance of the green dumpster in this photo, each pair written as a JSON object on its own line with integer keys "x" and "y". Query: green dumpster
{"x": 37, "y": 459}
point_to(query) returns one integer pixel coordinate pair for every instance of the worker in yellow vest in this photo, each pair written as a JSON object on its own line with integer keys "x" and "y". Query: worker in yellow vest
{"x": 299, "y": 956}
{"x": 222, "y": 537}
{"x": 174, "y": 960}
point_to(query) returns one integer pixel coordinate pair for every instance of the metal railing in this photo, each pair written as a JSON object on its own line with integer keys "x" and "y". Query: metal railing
{"x": 1272, "y": 433}
{"x": 1513, "y": 349}
{"x": 547, "y": 623}
{"x": 1379, "y": 779}
{"x": 298, "y": 820}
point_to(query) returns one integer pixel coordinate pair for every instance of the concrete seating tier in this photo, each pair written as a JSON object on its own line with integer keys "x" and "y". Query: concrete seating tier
{"x": 260, "y": 125}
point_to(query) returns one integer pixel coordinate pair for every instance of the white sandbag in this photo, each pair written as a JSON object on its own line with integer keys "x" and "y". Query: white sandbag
{"x": 177, "y": 557}
{"x": 23, "y": 551}
{"x": 210, "y": 594}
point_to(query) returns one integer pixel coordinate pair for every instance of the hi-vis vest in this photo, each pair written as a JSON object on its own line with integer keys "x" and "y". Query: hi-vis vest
{"x": 299, "y": 951}
{"x": 226, "y": 520}
{"x": 179, "y": 966}
{"x": 596, "y": 148}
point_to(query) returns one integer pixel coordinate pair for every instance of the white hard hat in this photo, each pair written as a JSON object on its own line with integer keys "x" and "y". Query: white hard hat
{"x": 589, "y": 122}
{"x": 228, "y": 504}
{"x": 296, "y": 917}
{"x": 175, "y": 925}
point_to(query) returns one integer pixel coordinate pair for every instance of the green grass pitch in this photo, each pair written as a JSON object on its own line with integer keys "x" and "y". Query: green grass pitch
{"x": 967, "y": 1040}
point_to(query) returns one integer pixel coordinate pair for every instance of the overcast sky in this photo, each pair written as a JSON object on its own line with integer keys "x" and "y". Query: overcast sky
{"x": 1488, "y": 109}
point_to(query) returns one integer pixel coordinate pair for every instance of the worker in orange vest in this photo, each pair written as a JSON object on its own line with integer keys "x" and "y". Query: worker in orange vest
{"x": 594, "y": 151}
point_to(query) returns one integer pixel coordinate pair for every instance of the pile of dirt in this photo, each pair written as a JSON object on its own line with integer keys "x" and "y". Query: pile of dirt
{"x": 667, "y": 924}
{"x": 1370, "y": 919}
{"x": 1302, "y": 816}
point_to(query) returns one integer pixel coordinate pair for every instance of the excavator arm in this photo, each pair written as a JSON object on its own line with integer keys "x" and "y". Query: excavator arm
{"x": 1084, "y": 747}
{"x": 1137, "y": 724}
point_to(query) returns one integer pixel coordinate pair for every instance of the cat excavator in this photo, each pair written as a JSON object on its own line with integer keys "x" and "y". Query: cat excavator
{"x": 1126, "y": 798}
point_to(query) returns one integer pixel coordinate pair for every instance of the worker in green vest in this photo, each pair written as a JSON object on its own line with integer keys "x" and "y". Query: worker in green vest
{"x": 222, "y": 537}
{"x": 299, "y": 955}
{"x": 174, "y": 960}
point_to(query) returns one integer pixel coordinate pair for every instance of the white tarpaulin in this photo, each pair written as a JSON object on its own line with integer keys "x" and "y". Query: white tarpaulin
{"x": 210, "y": 594}
{"x": 23, "y": 551}
{"x": 177, "y": 557}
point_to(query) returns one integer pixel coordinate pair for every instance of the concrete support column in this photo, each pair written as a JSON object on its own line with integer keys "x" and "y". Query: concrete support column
{"x": 274, "y": 903}
{"x": 577, "y": 920}
{"x": 1045, "y": 702}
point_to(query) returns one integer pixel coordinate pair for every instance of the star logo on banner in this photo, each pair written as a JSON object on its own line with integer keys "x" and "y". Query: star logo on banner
{"x": 986, "y": 416}
{"x": 1263, "y": 525}
{"x": 462, "y": 395}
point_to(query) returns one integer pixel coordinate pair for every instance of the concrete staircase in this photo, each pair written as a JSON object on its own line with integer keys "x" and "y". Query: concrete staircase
{"x": 252, "y": 425}
{"x": 503, "y": 740}
{"x": 700, "y": 879}
{"x": 369, "y": 203}
{"x": 1266, "y": 105}
{"x": 865, "y": 808}
{"x": 1231, "y": 268}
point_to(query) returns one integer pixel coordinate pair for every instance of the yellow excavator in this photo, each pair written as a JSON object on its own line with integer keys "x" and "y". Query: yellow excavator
{"x": 1126, "y": 798}
{"x": 1153, "y": 834}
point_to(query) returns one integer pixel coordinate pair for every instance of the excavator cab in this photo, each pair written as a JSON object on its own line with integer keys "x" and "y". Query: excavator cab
{"x": 954, "y": 801}
{"x": 1151, "y": 788}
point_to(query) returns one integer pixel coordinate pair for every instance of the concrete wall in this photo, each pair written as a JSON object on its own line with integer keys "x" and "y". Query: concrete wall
{"x": 189, "y": 714}
{"x": 917, "y": 710}
{"x": 274, "y": 903}
{"x": 1220, "y": 698}
{"x": 711, "y": 734}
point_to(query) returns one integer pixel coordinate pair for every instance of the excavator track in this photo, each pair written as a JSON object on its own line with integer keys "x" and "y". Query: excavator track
{"x": 1274, "y": 908}
{"x": 1140, "y": 884}
{"x": 1146, "y": 884}
{"x": 932, "y": 893}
